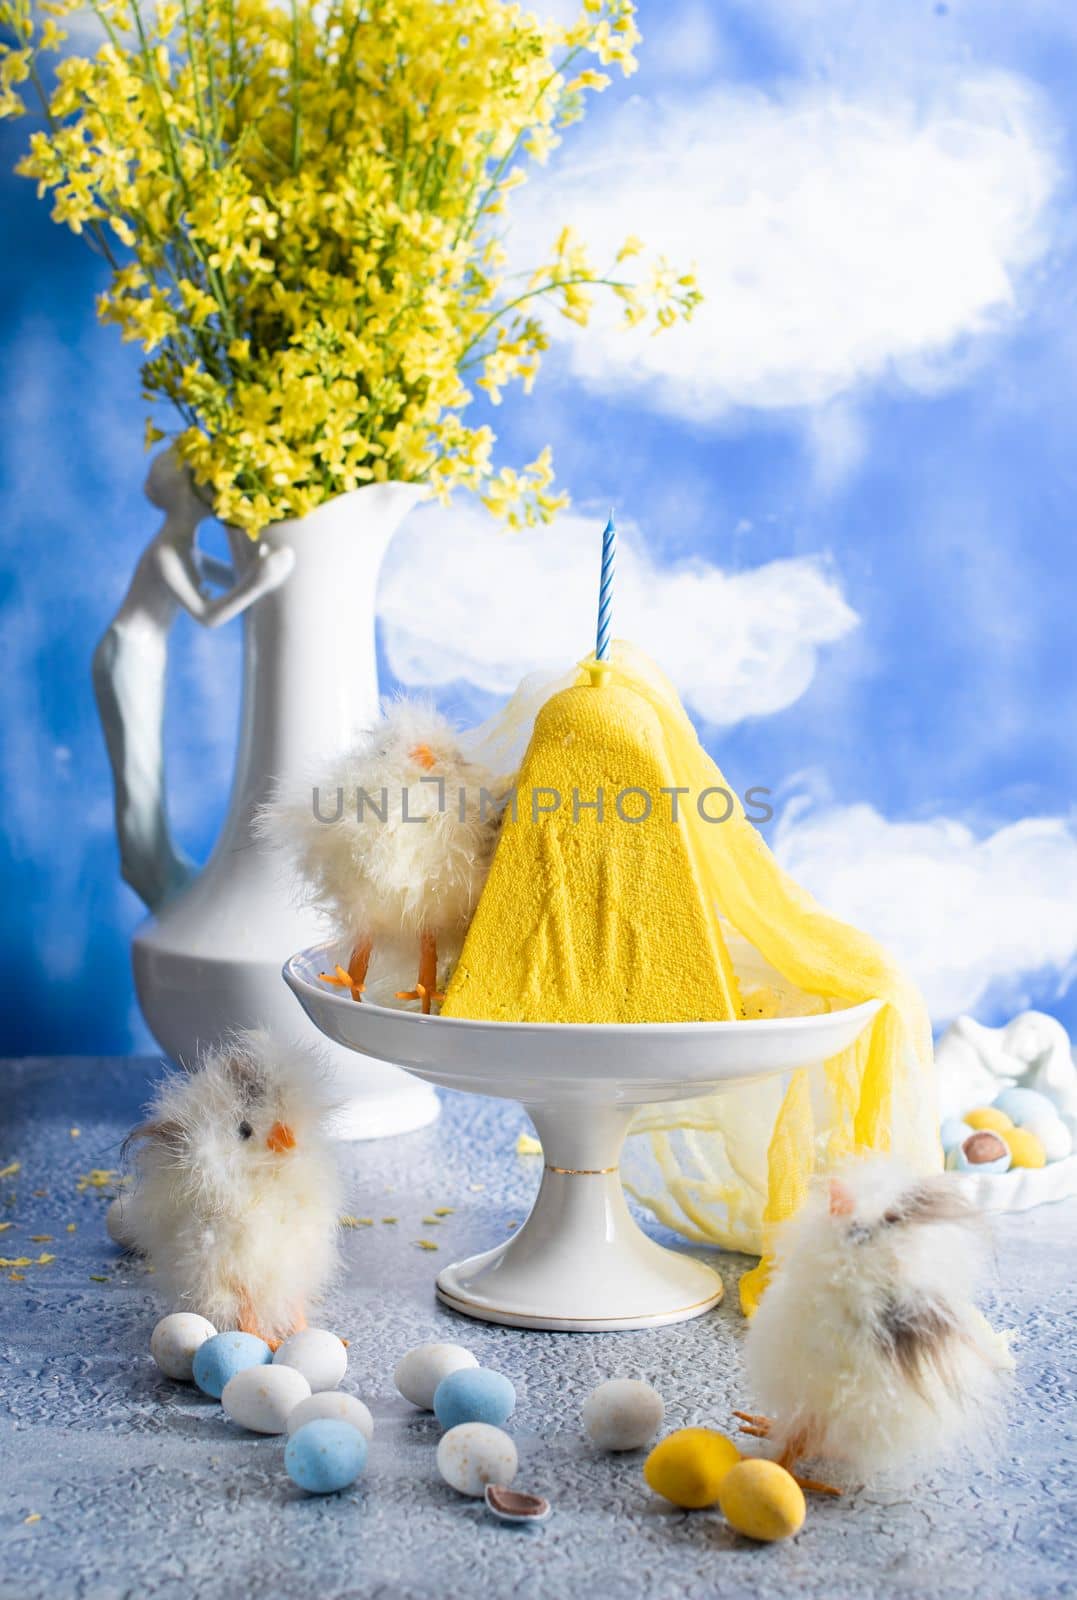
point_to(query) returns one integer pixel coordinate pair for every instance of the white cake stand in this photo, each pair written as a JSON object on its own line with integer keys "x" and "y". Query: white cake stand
{"x": 579, "y": 1263}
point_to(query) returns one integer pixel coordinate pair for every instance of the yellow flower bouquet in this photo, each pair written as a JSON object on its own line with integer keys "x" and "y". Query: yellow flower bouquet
{"x": 302, "y": 208}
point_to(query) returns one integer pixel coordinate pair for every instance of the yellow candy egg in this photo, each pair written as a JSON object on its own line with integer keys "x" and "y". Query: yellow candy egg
{"x": 763, "y": 1501}
{"x": 689, "y": 1466}
{"x": 988, "y": 1118}
{"x": 1025, "y": 1149}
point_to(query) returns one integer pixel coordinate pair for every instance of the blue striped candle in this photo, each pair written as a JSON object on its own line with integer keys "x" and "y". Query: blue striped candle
{"x": 605, "y": 590}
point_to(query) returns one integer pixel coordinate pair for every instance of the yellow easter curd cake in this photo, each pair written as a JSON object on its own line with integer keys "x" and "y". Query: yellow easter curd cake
{"x": 654, "y": 911}
{"x": 594, "y": 909}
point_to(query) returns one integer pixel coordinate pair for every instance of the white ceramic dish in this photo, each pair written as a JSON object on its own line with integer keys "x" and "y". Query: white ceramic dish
{"x": 579, "y": 1263}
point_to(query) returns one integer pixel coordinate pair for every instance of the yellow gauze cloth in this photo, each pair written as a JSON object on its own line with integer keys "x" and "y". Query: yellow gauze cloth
{"x": 653, "y": 921}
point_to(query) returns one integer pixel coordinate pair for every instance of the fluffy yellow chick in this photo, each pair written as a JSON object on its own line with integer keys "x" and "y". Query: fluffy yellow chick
{"x": 410, "y": 824}
{"x": 868, "y": 1349}
{"x": 236, "y": 1200}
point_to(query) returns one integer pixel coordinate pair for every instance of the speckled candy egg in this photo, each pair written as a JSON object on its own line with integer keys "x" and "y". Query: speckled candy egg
{"x": 1022, "y": 1104}
{"x": 325, "y": 1455}
{"x": 262, "y": 1398}
{"x": 1025, "y": 1149}
{"x": 689, "y": 1466}
{"x": 337, "y": 1407}
{"x": 221, "y": 1357}
{"x": 980, "y": 1152}
{"x": 763, "y": 1501}
{"x": 473, "y": 1455}
{"x": 319, "y": 1355}
{"x": 474, "y": 1394}
{"x": 418, "y": 1374}
{"x": 623, "y": 1414}
{"x": 991, "y": 1119}
{"x": 175, "y": 1341}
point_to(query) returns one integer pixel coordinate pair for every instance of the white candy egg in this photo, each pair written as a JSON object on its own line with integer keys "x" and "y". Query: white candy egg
{"x": 318, "y": 1354}
{"x": 623, "y": 1414}
{"x": 334, "y": 1405}
{"x": 418, "y": 1373}
{"x": 475, "y": 1454}
{"x": 262, "y": 1398}
{"x": 174, "y": 1341}
{"x": 1052, "y": 1133}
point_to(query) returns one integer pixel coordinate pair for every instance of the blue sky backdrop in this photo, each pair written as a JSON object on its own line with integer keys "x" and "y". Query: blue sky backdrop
{"x": 846, "y": 492}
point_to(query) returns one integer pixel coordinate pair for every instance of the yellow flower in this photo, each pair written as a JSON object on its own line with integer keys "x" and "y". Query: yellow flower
{"x": 302, "y": 219}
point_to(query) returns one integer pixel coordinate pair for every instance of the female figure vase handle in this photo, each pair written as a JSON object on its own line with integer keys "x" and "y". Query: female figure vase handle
{"x": 130, "y": 664}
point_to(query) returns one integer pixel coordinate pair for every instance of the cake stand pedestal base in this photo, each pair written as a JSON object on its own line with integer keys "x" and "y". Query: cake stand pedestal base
{"x": 579, "y": 1263}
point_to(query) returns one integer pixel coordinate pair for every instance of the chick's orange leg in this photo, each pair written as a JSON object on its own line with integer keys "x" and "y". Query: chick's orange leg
{"x": 352, "y": 977}
{"x": 248, "y": 1321}
{"x": 788, "y": 1459}
{"x": 813, "y": 1486}
{"x": 357, "y": 966}
{"x": 427, "y": 987}
{"x": 758, "y": 1427}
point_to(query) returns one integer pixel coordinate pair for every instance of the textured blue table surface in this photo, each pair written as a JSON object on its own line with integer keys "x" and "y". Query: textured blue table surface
{"x": 116, "y": 1483}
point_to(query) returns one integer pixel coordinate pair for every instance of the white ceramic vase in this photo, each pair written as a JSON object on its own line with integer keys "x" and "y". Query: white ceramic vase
{"x": 208, "y": 957}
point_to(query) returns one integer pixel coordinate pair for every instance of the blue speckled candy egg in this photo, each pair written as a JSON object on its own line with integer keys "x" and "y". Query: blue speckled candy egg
{"x": 953, "y": 1131}
{"x": 325, "y": 1455}
{"x": 474, "y": 1394}
{"x": 1021, "y": 1104}
{"x": 221, "y": 1357}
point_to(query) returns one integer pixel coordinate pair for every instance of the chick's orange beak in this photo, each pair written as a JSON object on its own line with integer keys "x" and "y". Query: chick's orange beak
{"x": 423, "y": 754}
{"x": 280, "y": 1138}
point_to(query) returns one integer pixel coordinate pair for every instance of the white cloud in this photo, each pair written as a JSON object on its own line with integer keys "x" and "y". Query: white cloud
{"x": 500, "y": 605}
{"x": 968, "y": 917}
{"x": 839, "y": 236}
{"x": 837, "y": 442}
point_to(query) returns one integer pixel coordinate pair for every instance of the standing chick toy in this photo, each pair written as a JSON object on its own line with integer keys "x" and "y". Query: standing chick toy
{"x": 236, "y": 1200}
{"x": 867, "y": 1348}
{"x": 409, "y": 852}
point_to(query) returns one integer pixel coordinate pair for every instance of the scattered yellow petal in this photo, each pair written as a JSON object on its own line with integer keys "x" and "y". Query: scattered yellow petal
{"x": 97, "y": 1277}
{"x": 35, "y": 1516}
{"x": 444, "y": 1211}
{"x": 4, "y": 1226}
{"x": 431, "y": 1222}
{"x": 527, "y": 1145}
{"x": 71, "y": 1226}
{"x": 75, "y": 1133}
{"x": 426, "y": 1244}
{"x": 17, "y": 1277}
{"x": 44, "y": 1259}
{"x": 10, "y": 1170}
{"x": 15, "y": 1261}
{"x": 347, "y": 1221}
{"x": 390, "y": 1219}
{"x": 41, "y": 1238}
{"x": 97, "y": 1178}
